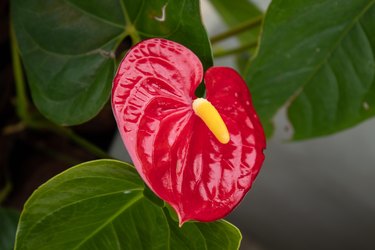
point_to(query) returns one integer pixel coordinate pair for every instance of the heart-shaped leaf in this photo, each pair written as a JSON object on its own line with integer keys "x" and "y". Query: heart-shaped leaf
{"x": 100, "y": 205}
{"x": 172, "y": 148}
{"x": 68, "y": 47}
{"x": 318, "y": 58}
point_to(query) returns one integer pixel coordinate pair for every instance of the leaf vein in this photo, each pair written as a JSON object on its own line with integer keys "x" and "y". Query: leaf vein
{"x": 76, "y": 202}
{"x": 111, "y": 219}
{"x": 335, "y": 46}
{"x": 94, "y": 51}
{"x": 93, "y": 15}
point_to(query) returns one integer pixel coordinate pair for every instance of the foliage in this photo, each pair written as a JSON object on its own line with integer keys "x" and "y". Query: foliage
{"x": 102, "y": 205}
{"x": 317, "y": 58}
{"x": 75, "y": 44}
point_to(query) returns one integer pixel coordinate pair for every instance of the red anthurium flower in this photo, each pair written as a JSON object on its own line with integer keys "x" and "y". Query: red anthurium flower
{"x": 199, "y": 155}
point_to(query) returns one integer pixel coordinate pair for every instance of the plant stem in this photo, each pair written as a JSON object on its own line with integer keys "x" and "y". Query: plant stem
{"x": 35, "y": 121}
{"x": 134, "y": 34}
{"x": 228, "y": 52}
{"x": 21, "y": 100}
{"x": 84, "y": 143}
{"x": 130, "y": 28}
{"x": 247, "y": 25}
{"x": 67, "y": 132}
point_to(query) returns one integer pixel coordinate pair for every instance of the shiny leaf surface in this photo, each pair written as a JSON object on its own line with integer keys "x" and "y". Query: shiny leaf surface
{"x": 173, "y": 150}
{"x": 100, "y": 205}
{"x": 68, "y": 47}
{"x": 318, "y": 58}
{"x": 8, "y": 226}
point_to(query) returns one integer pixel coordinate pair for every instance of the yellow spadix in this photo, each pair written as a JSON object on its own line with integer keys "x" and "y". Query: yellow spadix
{"x": 211, "y": 117}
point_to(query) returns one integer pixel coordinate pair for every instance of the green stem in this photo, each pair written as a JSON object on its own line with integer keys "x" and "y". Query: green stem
{"x": 84, "y": 143}
{"x": 247, "y": 25}
{"x": 130, "y": 28}
{"x": 242, "y": 48}
{"x": 134, "y": 34}
{"x": 21, "y": 100}
{"x": 66, "y": 132}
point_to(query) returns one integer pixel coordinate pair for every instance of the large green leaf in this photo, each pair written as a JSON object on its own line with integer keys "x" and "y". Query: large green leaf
{"x": 8, "y": 226}
{"x": 101, "y": 205}
{"x": 318, "y": 58}
{"x": 68, "y": 46}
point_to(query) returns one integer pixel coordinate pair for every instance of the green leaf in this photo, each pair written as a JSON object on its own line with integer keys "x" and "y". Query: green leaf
{"x": 225, "y": 235}
{"x": 68, "y": 47}
{"x": 318, "y": 58}
{"x": 101, "y": 205}
{"x": 214, "y": 235}
{"x": 8, "y": 226}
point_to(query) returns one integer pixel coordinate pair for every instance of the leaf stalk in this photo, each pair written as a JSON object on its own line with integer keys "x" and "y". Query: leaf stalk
{"x": 242, "y": 27}
{"x": 222, "y": 53}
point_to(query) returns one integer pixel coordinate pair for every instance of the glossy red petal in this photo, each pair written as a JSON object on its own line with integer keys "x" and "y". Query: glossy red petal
{"x": 230, "y": 169}
{"x": 155, "y": 82}
{"x": 173, "y": 150}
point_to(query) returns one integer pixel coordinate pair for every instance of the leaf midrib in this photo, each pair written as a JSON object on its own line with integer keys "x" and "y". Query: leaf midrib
{"x": 93, "y": 15}
{"x": 82, "y": 200}
{"x": 93, "y": 51}
{"x": 134, "y": 200}
{"x": 330, "y": 52}
{"x": 66, "y": 55}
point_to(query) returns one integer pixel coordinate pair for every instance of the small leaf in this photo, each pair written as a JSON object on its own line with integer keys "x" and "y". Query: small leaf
{"x": 100, "y": 205}
{"x": 8, "y": 226}
{"x": 318, "y": 58}
{"x": 68, "y": 47}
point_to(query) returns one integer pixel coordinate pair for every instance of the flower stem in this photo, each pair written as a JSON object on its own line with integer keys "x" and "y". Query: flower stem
{"x": 247, "y": 25}
{"x": 83, "y": 143}
{"x": 242, "y": 48}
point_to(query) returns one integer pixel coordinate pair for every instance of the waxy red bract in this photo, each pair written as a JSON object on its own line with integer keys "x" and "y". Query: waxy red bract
{"x": 173, "y": 150}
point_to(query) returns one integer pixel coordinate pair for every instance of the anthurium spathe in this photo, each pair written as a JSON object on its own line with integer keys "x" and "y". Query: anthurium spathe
{"x": 199, "y": 155}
